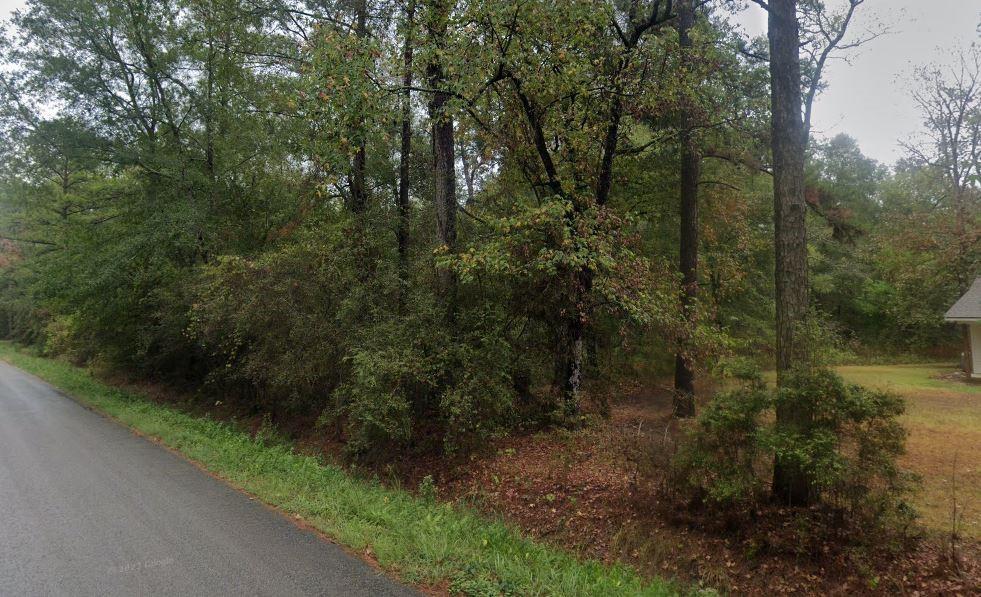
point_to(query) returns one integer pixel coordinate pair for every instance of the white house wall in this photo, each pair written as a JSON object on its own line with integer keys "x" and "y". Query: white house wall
{"x": 976, "y": 349}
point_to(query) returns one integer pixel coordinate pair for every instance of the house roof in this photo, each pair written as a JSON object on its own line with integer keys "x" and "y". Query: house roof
{"x": 968, "y": 307}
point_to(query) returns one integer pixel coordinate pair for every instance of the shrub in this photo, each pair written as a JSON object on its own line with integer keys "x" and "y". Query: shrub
{"x": 413, "y": 382}
{"x": 848, "y": 449}
{"x": 276, "y": 327}
{"x": 719, "y": 461}
{"x": 299, "y": 332}
{"x": 62, "y": 338}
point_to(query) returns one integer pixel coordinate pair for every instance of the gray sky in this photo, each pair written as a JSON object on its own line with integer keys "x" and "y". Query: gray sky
{"x": 7, "y": 6}
{"x": 869, "y": 95}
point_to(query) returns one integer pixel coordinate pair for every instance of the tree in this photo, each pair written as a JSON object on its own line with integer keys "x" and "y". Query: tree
{"x": 444, "y": 147}
{"x": 358, "y": 183}
{"x": 789, "y": 211}
{"x": 684, "y": 376}
{"x": 790, "y": 119}
{"x": 950, "y": 103}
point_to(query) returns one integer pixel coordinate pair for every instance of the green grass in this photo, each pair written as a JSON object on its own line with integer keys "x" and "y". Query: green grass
{"x": 907, "y": 378}
{"x": 943, "y": 418}
{"x": 419, "y": 541}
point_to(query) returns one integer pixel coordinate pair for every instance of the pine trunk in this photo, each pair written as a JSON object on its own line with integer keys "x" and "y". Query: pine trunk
{"x": 684, "y": 375}
{"x": 444, "y": 156}
{"x": 790, "y": 485}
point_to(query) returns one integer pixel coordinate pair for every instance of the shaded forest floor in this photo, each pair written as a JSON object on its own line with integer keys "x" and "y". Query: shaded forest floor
{"x": 599, "y": 491}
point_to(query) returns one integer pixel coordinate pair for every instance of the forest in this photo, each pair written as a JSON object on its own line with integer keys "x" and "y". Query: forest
{"x": 424, "y": 235}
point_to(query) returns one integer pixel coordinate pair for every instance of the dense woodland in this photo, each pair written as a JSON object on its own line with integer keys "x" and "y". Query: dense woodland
{"x": 425, "y": 223}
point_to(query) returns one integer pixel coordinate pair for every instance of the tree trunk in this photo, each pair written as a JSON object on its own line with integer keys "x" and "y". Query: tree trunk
{"x": 573, "y": 345}
{"x": 444, "y": 156}
{"x": 402, "y": 232}
{"x": 790, "y": 485}
{"x": 684, "y": 375}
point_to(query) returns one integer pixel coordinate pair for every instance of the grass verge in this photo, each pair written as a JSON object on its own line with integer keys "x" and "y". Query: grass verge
{"x": 420, "y": 541}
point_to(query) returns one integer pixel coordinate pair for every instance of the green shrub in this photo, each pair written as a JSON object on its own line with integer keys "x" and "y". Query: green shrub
{"x": 847, "y": 447}
{"x": 413, "y": 382}
{"x": 850, "y": 447}
{"x": 299, "y": 332}
{"x": 61, "y": 338}
{"x": 718, "y": 462}
{"x": 276, "y": 328}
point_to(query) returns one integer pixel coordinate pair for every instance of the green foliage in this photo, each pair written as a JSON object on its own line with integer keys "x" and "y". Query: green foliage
{"x": 182, "y": 214}
{"x": 846, "y": 442}
{"x": 887, "y": 254}
{"x": 724, "y": 459}
{"x": 541, "y": 243}
{"x": 850, "y": 443}
{"x": 412, "y": 384}
{"x": 271, "y": 336}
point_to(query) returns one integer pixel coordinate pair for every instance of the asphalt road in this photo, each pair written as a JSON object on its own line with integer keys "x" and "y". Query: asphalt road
{"x": 88, "y": 508}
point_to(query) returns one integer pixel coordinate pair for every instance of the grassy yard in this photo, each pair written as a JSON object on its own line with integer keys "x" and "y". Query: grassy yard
{"x": 944, "y": 420}
{"x": 423, "y": 542}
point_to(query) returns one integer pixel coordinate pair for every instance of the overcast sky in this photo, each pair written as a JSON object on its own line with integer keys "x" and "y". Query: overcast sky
{"x": 869, "y": 95}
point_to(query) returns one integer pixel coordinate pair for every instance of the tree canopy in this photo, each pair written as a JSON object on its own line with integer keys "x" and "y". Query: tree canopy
{"x": 425, "y": 222}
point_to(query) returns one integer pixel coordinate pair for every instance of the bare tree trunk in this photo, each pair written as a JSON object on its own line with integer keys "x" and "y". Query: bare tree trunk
{"x": 444, "y": 155}
{"x": 684, "y": 375}
{"x": 402, "y": 232}
{"x": 790, "y": 485}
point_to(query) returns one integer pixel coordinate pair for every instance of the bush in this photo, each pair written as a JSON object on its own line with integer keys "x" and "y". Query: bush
{"x": 719, "y": 461}
{"x": 276, "y": 328}
{"x": 848, "y": 450}
{"x": 299, "y": 332}
{"x": 414, "y": 382}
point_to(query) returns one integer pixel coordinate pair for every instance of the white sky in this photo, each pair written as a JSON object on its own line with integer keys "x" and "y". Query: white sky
{"x": 869, "y": 95}
{"x": 7, "y": 6}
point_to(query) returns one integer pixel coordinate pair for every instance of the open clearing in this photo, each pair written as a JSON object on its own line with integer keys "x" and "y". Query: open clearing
{"x": 944, "y": 447}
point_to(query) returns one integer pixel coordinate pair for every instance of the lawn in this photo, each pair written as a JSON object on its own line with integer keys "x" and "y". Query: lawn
{"x": 944, "y": 420}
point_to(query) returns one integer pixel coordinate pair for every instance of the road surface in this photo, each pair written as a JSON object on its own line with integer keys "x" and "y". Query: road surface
{"x": 88, "y": 508}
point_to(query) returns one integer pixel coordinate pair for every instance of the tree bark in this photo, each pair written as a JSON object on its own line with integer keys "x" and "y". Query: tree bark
{"x": 469, "y": 171}
{"x": 684, "y": 375}
{"x": 574, "y": 349}
{"x": 402, "y": 231}
{"x": 790, "y": 485}
{"x": 444, "y": 154}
